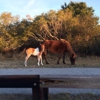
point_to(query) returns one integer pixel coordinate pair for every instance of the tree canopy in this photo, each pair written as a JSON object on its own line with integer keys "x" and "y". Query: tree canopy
{"x": 78, "y": 8}
{"x": 74, "y": 22}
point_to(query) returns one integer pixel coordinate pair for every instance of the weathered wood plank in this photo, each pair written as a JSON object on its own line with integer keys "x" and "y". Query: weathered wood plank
{"x": 22, "y": 81}
{"x": 19, "y": 81}
{"x": 73, "y": 81}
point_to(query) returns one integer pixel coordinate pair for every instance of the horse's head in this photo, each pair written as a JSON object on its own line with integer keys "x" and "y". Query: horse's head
{"x": 72, "y": 59}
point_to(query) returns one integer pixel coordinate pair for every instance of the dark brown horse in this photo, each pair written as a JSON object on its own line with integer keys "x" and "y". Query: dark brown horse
{"x": 60, "y": 47}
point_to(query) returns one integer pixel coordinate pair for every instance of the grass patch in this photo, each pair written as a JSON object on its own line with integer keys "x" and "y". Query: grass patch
{"x": 75, "y": 97}
{"x": 17, "y": 61}
{"x": 61, "y": 96}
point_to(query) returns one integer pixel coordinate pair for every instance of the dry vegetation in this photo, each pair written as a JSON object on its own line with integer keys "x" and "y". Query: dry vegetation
{"x": 17, "y": 61}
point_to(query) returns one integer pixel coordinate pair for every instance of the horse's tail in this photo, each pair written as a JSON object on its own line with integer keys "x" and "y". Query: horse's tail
{"x": 20, "y": 49}
{"x": 24, "y": 51}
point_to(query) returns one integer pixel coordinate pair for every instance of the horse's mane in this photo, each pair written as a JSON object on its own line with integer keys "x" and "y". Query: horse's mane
{"x": 69, "y": 47}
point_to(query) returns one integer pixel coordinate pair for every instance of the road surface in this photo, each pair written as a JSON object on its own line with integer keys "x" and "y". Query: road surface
{"x": 50, "y": 71}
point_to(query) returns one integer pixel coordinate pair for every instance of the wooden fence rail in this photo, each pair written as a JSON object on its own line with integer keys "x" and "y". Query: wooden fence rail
{"x": 40, "y": 84}
{"x": 69, "y": 81}
{"x": 22, "y": 81}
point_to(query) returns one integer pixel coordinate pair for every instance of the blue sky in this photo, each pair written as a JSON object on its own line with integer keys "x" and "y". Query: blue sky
{"x": 36, "y": 7}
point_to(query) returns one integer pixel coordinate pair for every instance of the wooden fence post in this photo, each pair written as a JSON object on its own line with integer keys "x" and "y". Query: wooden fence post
{"x": 40, "y": 93}
{"x": 36, "y": 94}
{"x": 44, "y": 93}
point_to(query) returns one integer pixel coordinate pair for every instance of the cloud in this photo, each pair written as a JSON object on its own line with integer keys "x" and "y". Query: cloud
{"x": 30, "y": 3}
{"x": 33, "y": 7}
{"x": 26, "y": 7}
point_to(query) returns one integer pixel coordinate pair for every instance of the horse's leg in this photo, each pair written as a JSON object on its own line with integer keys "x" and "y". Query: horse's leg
{"x": 41, "y": 60}
{"x": 26, "y": 58}
{"x": 44, "y": 55}
{"x": 64, "y": 54}
{"x": 59, "y": 59}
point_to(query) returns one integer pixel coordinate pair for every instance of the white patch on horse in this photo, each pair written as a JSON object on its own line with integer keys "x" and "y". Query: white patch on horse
{"x": 36, "y": 52}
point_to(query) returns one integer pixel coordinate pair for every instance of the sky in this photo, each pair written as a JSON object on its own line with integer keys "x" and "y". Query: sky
{"x": 37, "y": 7}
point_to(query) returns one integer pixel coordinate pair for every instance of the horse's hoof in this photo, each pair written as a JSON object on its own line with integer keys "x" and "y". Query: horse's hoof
{"x": 47, "y": 63}
{"x": 38, "y": 64}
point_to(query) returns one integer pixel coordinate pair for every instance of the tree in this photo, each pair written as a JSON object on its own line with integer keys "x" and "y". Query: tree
{"x": 41, "y": 28}
{"x": 64, "y": 6}
{"x": 78, "y": 8}
{"x": 6, "y": 18}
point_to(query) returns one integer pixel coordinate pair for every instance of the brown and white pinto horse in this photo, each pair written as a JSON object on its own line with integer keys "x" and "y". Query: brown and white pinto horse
{"x": 60, "y": 47}
{"x": 35, "y": 52}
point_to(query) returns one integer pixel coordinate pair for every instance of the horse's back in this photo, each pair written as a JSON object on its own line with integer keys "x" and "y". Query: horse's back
{"x": 58, "y": 45}
{"x": 30, "y": 50}
{"x": 54, "y": 46}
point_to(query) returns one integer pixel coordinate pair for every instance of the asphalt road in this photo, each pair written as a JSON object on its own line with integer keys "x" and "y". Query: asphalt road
{"x": 50, "y": 71}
